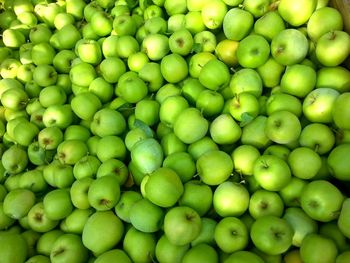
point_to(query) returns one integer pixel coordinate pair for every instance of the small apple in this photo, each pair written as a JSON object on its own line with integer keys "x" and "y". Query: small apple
{"x": 102, "y": 222}
{"x": 263, "y": 202}
{"x": 296, "y": 13}
{"x": 272, "y": 235}
{"x": 321, "y": 200}
{"x": 271, "y": 172}
{"x": 237, "y": 23}
{"x": 182, "y": 225}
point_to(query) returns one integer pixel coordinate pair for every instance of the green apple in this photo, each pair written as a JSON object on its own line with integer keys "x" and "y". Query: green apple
{"x": 75, "y": 221}
{"x": 271, "y": 172}
{"x": 182, "y": 163}
{"x": 14, "y": 159}
{"x": 52, "y": 95}
{"x": 204, "y": 41}
{"x": 33, "y": 180}
{"x": 254, "y": 134}
{"x": 244, "y": 157}
{"x": 328, "y": 16}
{"x": 342, "y": 221}
{"x": 14, "y": 248}
{"x": 113, "y": 167}
{"x": 253, "y": 51}
{"x": 139, "y": 246}
{"x": 147, "y": 111}
{"x": 210, "y": 102}
{"x": 225, "y": 50}
{"x": 243, "y": 256}
{"x": 79, "y": 192}
{"x": 301, "y": 223}
{"x": 244, "y": 107}
{"x": 208, "y": 76}
{"x": 182, "y": 225}
{"x": 230, "y": 199}
{"x": 289, "y": 46}
{"x": 171, "y": 108}
{"x": 190, "y": 126}
{"x": 333, "y": 77}
{"x": 102, "y": 222}
{"x": 46, "y": 241}
{"x": 247, "y": 80}
{"x": 215, "y": 160}
{"x": 225, "y": 130}
{"x": 71, "y": 151}
{"x": 337, "y": 162}
{"x": 283, "y": 127}
{"x": 163, "y": 187}
{"x": 298, "y": 80}
{"x": 297, "y": 159}
{"x": 237, "y": 23}
{"x": 181, "y": 42}
{"x": 198, "y": 196}
{"x": 269, "y": 24}
{"x": 197, "y": 61}
{"x": 147, "y": 155}
{"x": 340, "y": 113}
{"x": 131, "y": 87}
{"x": 172, "y": 144}
{"x": 201, "y": 253}
{"x": 332, "y": 231}
{"x": 151, "y": 73}
{"x": 38, "y": 220}
{"x": 68, "y": 247}
{"x": 296, "y": 13}
{"x": 57, "y": 204}
{"x": 117, "y": 148}
{"x": 151, "y": 41}
{"x": 173, "y": 63}
{"x": 231, "y": 234}
{"x": 283, "y": 101}
{"x": 104, "y": 193}
{"x": 321, "y": 200}
{"x": 146, "y": 216}
{"x": 318, "y": 98}
{"x": 113, "y": 255}
{"x": 165, "y": 251}
{"x": 263, "y": 202}
{"x": 18, "y": 202}
{"x": 272, "y": 235}
{"x": 335, "y": 43}
{"x": 316, "y": 247}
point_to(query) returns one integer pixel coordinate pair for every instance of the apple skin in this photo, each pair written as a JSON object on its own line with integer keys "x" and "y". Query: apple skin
{"x": 263, "y": 202}
{"x": 342, "y": 221}
{"x": 334, "y": 77}
{"x": 253, "y": 51}
{"x": 237, "y": 24}
{"x": 231, "y": 234}
{"x": 68, "y": 247}
{"x": 163, "y": 187}
{"x": 335, "y": 43}
{"x": 296, "y": 13}
{"x": 113, "y": 255}
{"x": 272, "y": 235}
{"x": 244, "y": 256}
{"x": 146, "y": 216}
{"x": 289, "y": 46}
{"x": 340, "y": 112}
{"x": 223, "y": 198}
{"x": 321, "y": 200}
{"x": 271, "y": 172}
{"x": 316, "y": 248}
{"x": 14, "y": 248}
{"x": 337, "y": 161}
{"x": 165, "y": 251}
{"x": 18, "y": 202}
{"x": 318, "y": 98}
{"x": 182, "y": 225}
{"x": 330, "y": 18}
{"x": 102, "y": 222}
{"x": 301, "y": 155}
{"x": 283, "y": 127}
{"x": 212, "y": 160}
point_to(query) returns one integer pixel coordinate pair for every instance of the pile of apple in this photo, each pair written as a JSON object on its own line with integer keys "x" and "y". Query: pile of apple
{"x": 174, "y": 131}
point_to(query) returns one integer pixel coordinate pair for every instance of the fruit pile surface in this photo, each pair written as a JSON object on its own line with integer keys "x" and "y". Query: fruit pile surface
{"x": 174, "y": 131}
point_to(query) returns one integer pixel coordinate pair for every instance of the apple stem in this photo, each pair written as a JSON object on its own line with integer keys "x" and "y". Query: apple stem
{"x": 274, "y": 6}
{"x": 317, "y": 146}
